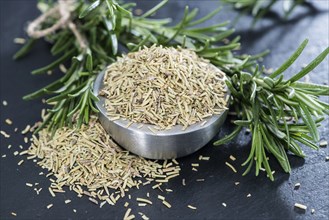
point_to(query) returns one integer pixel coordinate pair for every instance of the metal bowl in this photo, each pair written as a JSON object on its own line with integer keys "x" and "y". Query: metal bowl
{"x": 164, "y": 144}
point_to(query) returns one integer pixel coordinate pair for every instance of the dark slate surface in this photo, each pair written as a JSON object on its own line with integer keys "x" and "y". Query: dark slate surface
{"x": 269, "y": 200}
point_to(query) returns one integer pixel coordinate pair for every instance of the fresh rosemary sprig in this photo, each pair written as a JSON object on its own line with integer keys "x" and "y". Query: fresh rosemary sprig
{"x": 90, "y": 38}
{"x": 259, "y": 8}
{"x": 281, "y": 114}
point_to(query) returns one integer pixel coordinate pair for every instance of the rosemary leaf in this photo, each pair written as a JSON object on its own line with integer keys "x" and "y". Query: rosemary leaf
{"x": 154, "y": 9}
{"x": 310, "y": 66}
{"x": 90, "y": 8}
{"x": 25, "y": 49}
{"x": 290, "y": 60}
{"x": 229, "y": 137}
{"x": 56, "y": 63}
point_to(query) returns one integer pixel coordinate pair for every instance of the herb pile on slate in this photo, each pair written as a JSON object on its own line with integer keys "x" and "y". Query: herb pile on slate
{"x": 280, "y": 113}
{"x": 87, "y": 161}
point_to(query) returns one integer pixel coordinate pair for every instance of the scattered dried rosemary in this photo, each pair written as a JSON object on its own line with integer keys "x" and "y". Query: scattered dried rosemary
{"x": 164, "y": 87}
{"x": 91, "y": 164}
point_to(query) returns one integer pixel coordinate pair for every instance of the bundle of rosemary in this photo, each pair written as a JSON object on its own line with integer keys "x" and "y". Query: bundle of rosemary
{"x": 88, "y": 34}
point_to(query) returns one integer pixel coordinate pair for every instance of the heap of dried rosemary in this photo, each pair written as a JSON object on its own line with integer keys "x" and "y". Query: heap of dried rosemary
{"x": 91, "y": 164}
{"x": 164, "y": 87}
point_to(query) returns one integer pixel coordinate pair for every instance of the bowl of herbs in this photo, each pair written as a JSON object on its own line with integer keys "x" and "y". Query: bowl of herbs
{"x": 162, "y": 103}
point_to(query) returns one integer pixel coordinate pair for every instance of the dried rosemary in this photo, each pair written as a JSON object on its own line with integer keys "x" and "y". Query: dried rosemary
{"x": 90, "y": 163}
{"x": 164, "y": 87}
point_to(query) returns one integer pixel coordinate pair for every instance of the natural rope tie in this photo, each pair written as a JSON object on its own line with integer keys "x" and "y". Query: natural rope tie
{"x": 61, "y": 10}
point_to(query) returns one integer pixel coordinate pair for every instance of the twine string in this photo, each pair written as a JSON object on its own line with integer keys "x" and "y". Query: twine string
{"x": 61, "y": 10}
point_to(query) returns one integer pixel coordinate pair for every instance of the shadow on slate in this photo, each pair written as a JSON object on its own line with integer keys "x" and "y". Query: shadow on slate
{"x": 254, "y": 35}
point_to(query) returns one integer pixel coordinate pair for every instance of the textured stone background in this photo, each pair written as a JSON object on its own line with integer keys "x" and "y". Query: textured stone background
{"x": 269, "y": 200}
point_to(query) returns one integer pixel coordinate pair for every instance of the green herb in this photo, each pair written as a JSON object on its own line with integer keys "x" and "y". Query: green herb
{"x": 90, "y": 37}
{"x": 280, "y": 113}
{"x": 260, "y": 8}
